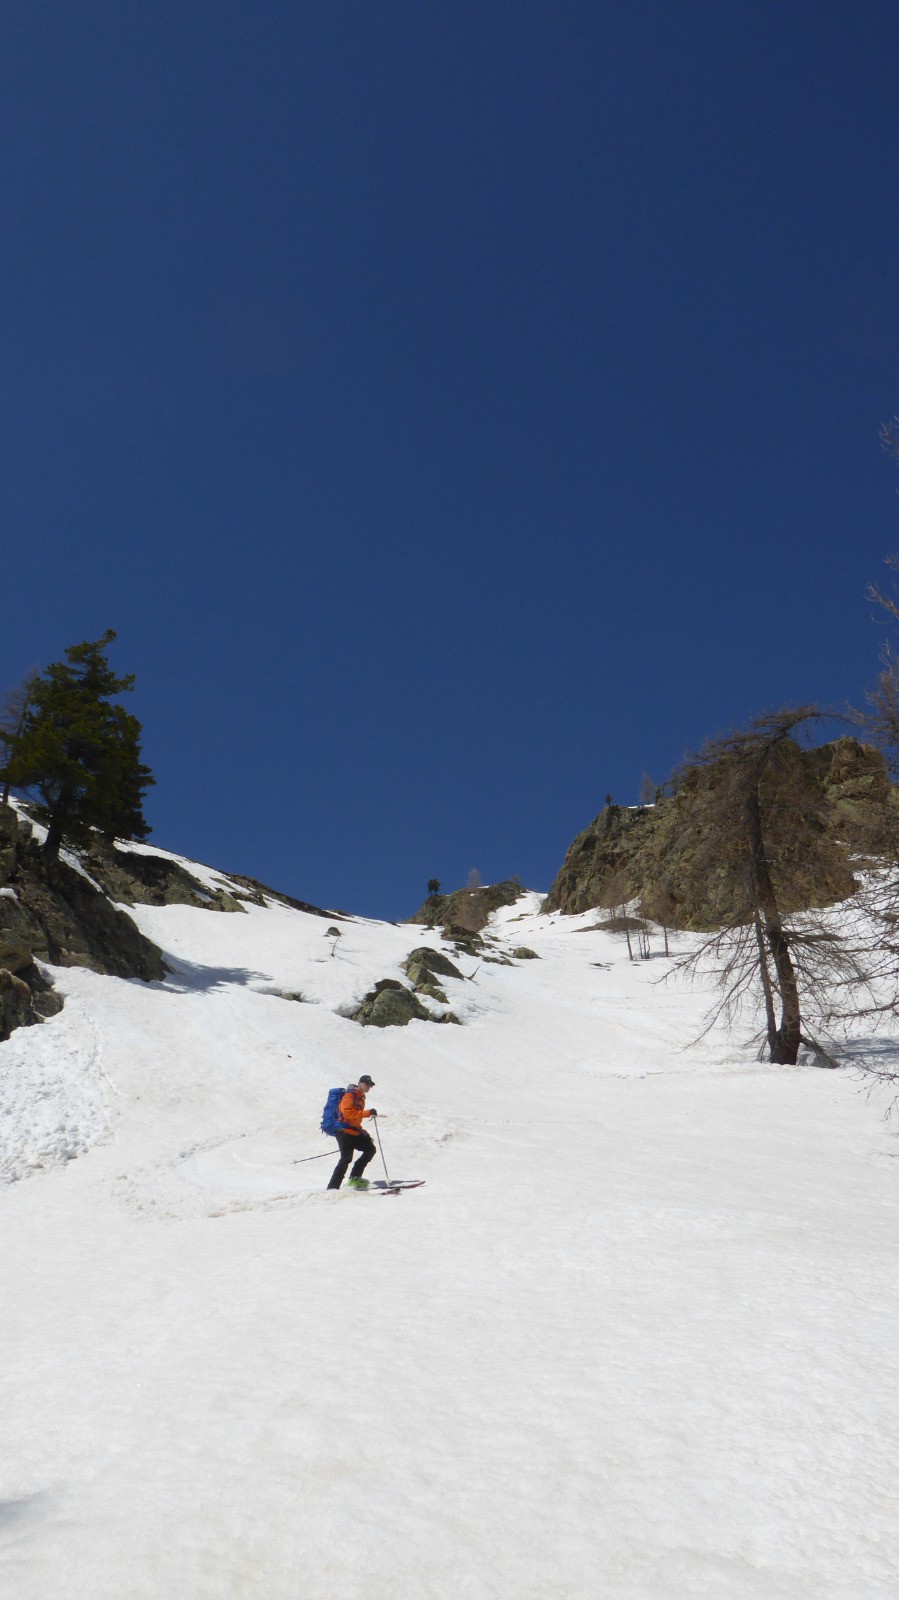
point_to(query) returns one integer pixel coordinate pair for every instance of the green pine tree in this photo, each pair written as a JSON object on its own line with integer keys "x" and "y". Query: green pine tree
{"x": 80, "y": 753}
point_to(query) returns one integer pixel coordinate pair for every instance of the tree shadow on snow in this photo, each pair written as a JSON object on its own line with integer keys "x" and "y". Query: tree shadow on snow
{"x": 875, "y": 1061}
{"x": 189, "y": 977}
{"x": 872, "y": 1051}
{"x": 23, "y": 1508}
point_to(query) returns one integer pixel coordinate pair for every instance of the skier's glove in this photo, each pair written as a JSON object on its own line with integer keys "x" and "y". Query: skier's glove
{"x": 373, "y": 1112}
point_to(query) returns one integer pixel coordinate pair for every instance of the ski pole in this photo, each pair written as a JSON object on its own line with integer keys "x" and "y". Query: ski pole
{"x": 300, "y": 1159}
{"x": 381, "y": 1148}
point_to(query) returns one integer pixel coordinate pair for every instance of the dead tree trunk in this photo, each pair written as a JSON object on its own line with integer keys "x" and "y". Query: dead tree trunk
{"x": 767, "y": 988}
{"x": 787, "y": 1037}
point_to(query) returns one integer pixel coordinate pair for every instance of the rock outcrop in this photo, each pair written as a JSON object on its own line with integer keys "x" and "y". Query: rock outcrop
{"x": 143, "y": 877}
{"x": 644, "y": 852}
{"x": 425, "y": 967}
{"x": 391, "y": 1005}
{"x": 603, "y": 865}
{"x": 137, "y": 878}
{"x": 50, "y": 912}
{"x": 26, "y": 996}
{"x": 468, "y": 910}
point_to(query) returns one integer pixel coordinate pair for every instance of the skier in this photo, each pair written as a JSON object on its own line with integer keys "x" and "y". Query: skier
{"x": 352, "y": 1137}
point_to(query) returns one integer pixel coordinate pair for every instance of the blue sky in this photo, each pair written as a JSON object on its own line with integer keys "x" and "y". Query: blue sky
{"x": 458, "y": 409}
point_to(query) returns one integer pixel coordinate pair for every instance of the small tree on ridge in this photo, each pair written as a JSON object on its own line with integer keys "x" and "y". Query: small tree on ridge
{"x": 80, "y": 752}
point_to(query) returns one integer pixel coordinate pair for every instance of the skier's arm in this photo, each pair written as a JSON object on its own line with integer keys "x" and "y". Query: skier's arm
{"x": 346, "y": 1110}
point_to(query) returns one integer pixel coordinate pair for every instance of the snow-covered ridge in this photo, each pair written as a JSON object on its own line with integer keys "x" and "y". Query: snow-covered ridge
{"x": 209, "y": 877}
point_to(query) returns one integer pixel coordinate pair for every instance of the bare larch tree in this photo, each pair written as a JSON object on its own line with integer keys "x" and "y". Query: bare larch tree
{"x": 763, "y": 857}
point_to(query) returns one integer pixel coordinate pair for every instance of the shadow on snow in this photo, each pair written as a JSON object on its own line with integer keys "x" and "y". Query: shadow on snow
{"x": 189, "y": 977}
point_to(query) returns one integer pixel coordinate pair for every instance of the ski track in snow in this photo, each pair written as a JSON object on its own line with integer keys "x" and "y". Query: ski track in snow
{"x": 635, "y": 1339}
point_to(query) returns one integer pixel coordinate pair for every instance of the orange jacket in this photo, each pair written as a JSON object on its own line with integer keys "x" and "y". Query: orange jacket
{"x": 352, "y": 1110}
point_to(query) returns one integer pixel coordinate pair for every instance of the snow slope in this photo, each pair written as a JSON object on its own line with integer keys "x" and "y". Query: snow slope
{"x": 636, "y": 1339}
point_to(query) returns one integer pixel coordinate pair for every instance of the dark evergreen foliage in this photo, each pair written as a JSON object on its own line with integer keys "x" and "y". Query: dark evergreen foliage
{"x": 80, "y": 752}
{"x": 13, "y": 710}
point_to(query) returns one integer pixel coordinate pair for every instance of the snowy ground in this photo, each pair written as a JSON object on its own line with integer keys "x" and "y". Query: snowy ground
{"x": 635, "y": 1340}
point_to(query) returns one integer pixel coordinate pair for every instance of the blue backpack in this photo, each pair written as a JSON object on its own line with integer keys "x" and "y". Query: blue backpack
{"x": 331, "y": 1123}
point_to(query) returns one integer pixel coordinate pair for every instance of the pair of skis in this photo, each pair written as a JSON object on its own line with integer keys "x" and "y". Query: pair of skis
{"x": 392, "y": 1185}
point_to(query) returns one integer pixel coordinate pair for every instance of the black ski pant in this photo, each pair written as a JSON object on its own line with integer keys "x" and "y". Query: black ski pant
{"x": 349, "y": 1144}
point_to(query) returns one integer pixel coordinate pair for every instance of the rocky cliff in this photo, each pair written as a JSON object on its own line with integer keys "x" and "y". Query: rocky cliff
{"x": 52, "y": 912}
{"x": 644, "y": 853}
{"x": 468, "y": 910}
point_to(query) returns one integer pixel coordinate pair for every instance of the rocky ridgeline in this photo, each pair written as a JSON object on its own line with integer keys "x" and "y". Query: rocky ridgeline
{"x": 142, "y": 878}
{"x": 69, "y": 913}
{"x": 50, "y": 911}
{"x": 643, "y": 853}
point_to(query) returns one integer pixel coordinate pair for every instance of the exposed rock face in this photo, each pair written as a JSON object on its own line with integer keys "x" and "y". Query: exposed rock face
{"x": 16, "y": 1007}
{"x": 26, "y": 996}
{"x": 433, "y": 992}
{"x": 862, "y": 803}
{"x": 9, "y": 841}
{"x": 50, "y": 912}
{"x": 391, "y": 1005}
{"x": 74, "y": 925}
{"x": 602, "y": 866}
{"x": 137, "y": 877}
{"x": 467, "y": 909}
{"x": 16, "y": 934}
{"x": 424, "y": 966}
{"x": 645, "y": 852}
{"x": 132, "y": 878}
{"x": 469, "y": 944}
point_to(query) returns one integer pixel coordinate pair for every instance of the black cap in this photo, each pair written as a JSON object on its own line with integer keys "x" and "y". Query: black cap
{"x": 366, "y": 1079}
